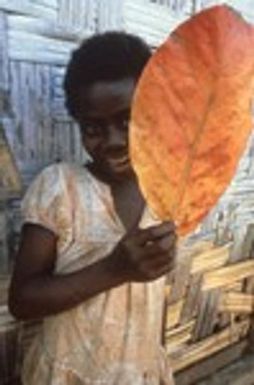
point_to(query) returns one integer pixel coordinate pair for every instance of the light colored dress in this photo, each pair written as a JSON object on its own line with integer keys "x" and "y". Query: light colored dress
{"x": 113, "y": 338}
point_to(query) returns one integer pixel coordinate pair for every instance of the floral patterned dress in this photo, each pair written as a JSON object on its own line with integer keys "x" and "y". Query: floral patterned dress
{"x": 113, "y": 338}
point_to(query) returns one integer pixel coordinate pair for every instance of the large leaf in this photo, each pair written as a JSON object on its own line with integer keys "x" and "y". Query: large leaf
{"x": 191, "y": 115}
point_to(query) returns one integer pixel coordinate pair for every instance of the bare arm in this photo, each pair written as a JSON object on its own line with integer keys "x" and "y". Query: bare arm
{"x": 36, "y": 291}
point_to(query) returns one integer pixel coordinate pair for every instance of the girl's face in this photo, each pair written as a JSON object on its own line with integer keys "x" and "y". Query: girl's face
{"x": 104, "y": 125}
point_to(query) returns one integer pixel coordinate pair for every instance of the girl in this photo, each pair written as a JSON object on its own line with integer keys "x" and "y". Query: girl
{"x": 92, "y": 258}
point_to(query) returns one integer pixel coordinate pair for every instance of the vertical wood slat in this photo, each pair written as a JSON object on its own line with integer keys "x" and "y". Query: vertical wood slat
{"x": 4, "y": 260}
{"x": 28, "y": 101}
{"x": 193, "y": 298}
{"x": 39, "y": 136}
{"x": 43, "y": 85}
{"x": 110, "y": 15}
{"x": 78, "y": 15}
{"x": 17, "y": 139}
{"x": 3, "y": 52}
{"x": 30, "y": 98}
{"x": 67, "y": 143}
{"x": 10, "y": 183}
{"x": 207, "y": 315}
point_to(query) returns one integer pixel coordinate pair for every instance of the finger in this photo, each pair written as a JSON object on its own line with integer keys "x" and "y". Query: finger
{"x": 155, "y": 260}
{"x": 159, "y": 263}
{"x": 165, "y": 246}
{"x": 163, "y": 229}
{"x": 153, "y": 250}
{"x": 160, "y": 271}
{"x": 154, "y": 233}
{"x": 167, "y": 242}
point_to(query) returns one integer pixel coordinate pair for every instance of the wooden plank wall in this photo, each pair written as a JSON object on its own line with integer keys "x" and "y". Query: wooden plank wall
{"x": 154, "y": 20}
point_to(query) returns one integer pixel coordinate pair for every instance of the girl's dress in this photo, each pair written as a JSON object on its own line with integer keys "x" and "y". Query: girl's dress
{"x": 113, "y": 338}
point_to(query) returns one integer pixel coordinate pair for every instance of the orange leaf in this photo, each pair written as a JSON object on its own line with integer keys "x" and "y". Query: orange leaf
{"x": 191, "y": 115}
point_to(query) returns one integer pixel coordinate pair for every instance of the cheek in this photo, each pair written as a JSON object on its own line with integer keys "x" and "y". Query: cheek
{"x": 92, "y": 145}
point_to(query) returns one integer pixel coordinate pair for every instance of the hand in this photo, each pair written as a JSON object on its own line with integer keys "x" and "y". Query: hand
{"x": 145, "y": 255}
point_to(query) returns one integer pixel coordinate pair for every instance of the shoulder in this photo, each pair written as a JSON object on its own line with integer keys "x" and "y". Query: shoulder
{"x": 65, "y": 181}
{"x": 48, "y": 184}
{"x": 54, "y": 194}
{"x": 55, "y": 172}
{"x": 59, "y": 174}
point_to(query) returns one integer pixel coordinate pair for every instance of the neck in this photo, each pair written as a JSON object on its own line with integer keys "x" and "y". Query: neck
{"x": 113, "y": 179}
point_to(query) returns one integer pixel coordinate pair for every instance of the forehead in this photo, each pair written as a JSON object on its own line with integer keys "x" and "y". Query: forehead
{"x": 105, "y": 98}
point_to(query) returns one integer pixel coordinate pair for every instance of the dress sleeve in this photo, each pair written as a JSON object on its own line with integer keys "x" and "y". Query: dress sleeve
{"x": 47, "y": 201}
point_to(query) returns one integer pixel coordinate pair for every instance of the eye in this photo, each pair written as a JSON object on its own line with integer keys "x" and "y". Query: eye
{"x": 91, "y": 129}
{"x": 124, "y": 120}
{"x": 125, "y": 124}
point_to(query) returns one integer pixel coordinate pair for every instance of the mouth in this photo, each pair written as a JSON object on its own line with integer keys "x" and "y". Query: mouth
{"x": 119, "y": 163}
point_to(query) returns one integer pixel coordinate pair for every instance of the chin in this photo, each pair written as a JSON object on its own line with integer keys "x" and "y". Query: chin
{"x": 121, "y": 173}
{"x": 108, "y": 173}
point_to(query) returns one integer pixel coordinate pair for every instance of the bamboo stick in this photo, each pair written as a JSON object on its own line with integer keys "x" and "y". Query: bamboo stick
{"x": 197, "y": 352}
{"x": 211, "y": 259}
{"x": 228, "y": 275}
{"x": 236, "y": 303}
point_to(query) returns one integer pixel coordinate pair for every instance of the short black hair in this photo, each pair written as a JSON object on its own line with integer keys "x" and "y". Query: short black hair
{"x": 112, "y": 55}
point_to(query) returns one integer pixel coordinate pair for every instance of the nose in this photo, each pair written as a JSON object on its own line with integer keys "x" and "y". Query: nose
{"x": 115, "y": 136}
